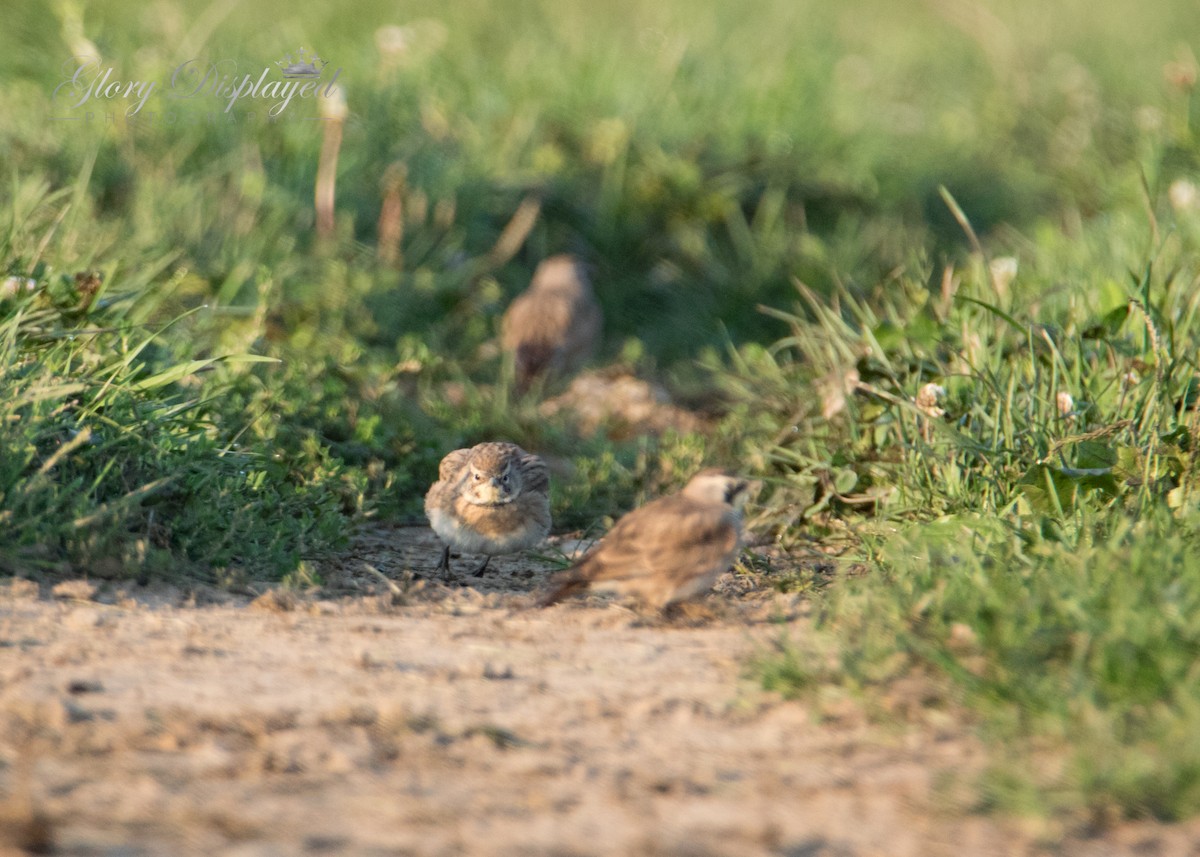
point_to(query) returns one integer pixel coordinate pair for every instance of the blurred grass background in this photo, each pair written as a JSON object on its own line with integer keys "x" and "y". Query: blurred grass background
{"x": 780, "y": 202}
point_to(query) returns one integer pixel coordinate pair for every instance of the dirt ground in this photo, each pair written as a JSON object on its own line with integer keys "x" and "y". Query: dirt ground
{"x": 433, "y": 719}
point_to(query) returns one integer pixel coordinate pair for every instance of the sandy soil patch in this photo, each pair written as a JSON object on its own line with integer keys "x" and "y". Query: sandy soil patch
{"x": 454, "y": 720}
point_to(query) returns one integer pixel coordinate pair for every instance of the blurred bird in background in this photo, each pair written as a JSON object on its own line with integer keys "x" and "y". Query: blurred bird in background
{"x": 553, "y": 327}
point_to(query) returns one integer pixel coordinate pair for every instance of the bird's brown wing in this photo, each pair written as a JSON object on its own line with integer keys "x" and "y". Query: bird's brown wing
{"x": 673, "y": 536}
{"x": 534, "y": 331}
{"x": 513, "y": 322}
{"x": 452, "y": 464}
{"x": 534, "y": 474}
{"x": 535, "y": 318}
{"x": 582, "y": 339}
{"x": 664, "y": 544}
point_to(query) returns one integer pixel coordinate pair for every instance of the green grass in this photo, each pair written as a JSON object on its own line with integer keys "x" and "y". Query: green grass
{"x": 799, "y": 216}
{"x": 1035, "y": 553}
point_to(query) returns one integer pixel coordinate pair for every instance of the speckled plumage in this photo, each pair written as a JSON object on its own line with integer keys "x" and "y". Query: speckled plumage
{"x": 669, "y": 550}
{"x": 553, "y": 326}
{"x": 490, "y": 499}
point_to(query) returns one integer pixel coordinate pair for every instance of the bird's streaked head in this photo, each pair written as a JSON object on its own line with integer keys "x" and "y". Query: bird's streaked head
{"x": 563, "y": 273}
{"x": 491, "y": 478}
{"x": 718, "y": 486}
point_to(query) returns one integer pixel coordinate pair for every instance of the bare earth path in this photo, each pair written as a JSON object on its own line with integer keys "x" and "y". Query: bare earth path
{"x": 454, "y": 721}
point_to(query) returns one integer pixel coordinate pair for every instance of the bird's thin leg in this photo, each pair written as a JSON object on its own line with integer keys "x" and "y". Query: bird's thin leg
{"x": 483, "y": 566}
{"x": 444, "y": 565}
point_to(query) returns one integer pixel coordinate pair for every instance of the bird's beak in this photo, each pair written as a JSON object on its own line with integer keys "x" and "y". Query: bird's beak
{"x": 740, "y": 492}
{"x": 497, "y": 490}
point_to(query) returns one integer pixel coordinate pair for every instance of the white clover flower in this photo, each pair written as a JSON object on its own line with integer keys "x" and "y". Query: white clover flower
{"x": 333, "y": 107}
{"x": 1003, "y": 270}
{"x": 927, "y": 399}
{"x": 1183, "y": 195}
{"x": 392, "y": 40}
{"x": 11, "y": 287}
{"x": 834, "y": 389}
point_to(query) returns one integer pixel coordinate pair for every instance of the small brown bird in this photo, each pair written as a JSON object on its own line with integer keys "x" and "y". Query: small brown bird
{"x": 552, "y": 327}
{"x": 669, "y": 550}
{"x": 492, "y": 499}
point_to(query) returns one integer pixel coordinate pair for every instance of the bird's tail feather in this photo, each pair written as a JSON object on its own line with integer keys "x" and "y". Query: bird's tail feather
{"x": 563, "y": 585}
{"x": 532, "y": 359}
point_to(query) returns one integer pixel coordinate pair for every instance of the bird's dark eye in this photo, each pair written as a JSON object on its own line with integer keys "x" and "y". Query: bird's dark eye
{"x": 477, "y": 477}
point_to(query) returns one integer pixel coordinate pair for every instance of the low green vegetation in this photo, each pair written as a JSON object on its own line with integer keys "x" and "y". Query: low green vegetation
{"x": 931, "y": 273}
{"x": 1027, "y": 539}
